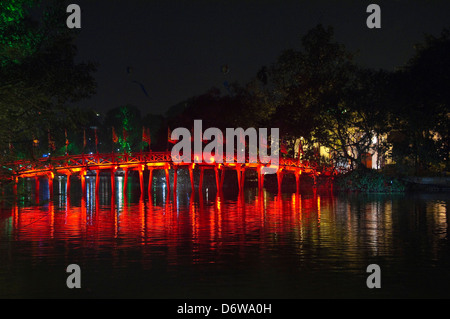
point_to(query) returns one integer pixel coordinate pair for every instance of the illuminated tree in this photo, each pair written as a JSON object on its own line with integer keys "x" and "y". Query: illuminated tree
{"x": 127, "y": 123}
{"x": 18, "y": 38}
{"x": 320, "y": 94}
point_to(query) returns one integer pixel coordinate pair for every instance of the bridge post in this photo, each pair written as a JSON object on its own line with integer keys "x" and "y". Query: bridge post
{"x": 280, "y": 178}
{"x": 97, "y": 182}
{"x": 238, "y": 172}
{"x": 166, "y": 169}
{"x": 315, "y": 179}
{"x": 125, "y": 179}
{"x": 175, "y": 170}
{"x": 150, "y": 179}
{"x": 258, "y": 172}
{"x": 113, "y": 181}
{"x": 242, "y": 171}
{"x": 36, "y": 189}
{"x": 191, "y": 175}
{"x": 200, "y": 185}
{"x": 262, "y": 181}
{"x": 222, "y": 177}
{"x": 16, "y": 182}
{"x": 83, "y": 182}
{"x": 297, "y": 179}
{"x": 260, "y": 177}
{"x": 216, "y": 171}
{"x": 67, "y": 183}
{"x": 50, "y": 184}
{"x": 141, "y": 179}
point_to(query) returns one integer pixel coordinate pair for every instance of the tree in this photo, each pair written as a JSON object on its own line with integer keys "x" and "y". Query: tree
{"x": 157, "y": 124}
{"x": 320, "y": 94}
{"x": 360, "y": 121}
{"x": 216, "y": 110}
{"x": 421, "y": 113}
{"x": 39, "y": 77}
{"x": 127, "y": 123}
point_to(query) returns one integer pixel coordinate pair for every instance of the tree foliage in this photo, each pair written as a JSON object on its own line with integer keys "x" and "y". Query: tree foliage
{"x": 127, "y": 123}
{"x": 421, "y": 108}
{"x": 39, "y": 77}
{"x": 320, "y": 94}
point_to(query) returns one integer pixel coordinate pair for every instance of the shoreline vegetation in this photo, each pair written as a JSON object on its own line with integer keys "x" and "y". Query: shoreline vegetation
{"x": 364, "y": 181}
{"x": 369, "y": 181}
{"x": 372, "y": 181}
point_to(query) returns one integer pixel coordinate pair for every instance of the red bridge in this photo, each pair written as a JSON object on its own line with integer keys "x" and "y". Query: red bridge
{"x": 81, "y": 165}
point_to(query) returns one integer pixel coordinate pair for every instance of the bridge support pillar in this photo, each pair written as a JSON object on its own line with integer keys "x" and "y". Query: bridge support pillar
{"x": 141, "y": 179}
{"x": 113, "y": 181}
{"x": 50, "y": 184}
{"x": 200, "y": 184}
{"x": 83, "y": 182}
{"x": 67, "y": 183}
{"x": 16, "y": 182}
{"x": 280, "y": 179}
{"x": 260, "y": 178}
{"x": 238, "y": 172}
{"x": 150, "y": 179}
{"x": 167, "y": 179}
{"x": 97, "y": 182}
{"x": 191, "y": 175}
{"x": 175, "y": 175}
{"x": 241, "y": 185}
{"x": 36, "y": 189}
{"x": 216, "y": 171}
{"x": 297, "y": 179}
{"x": 125, "y": 180}
{"x": 222, "y": 177}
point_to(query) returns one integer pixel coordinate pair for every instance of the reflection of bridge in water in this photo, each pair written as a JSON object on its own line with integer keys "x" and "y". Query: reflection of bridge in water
{"x": 82, "y": 165}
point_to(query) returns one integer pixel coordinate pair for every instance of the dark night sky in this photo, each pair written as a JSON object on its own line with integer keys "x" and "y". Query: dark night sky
{"x": 176, "y": 48}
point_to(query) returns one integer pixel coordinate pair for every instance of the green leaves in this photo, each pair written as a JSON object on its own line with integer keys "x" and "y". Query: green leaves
{"x": 369, "y": 181}
{"x": 19, "y": 37}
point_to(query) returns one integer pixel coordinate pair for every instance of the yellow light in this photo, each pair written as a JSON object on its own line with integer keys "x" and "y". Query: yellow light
{"x": 156, "y": 164}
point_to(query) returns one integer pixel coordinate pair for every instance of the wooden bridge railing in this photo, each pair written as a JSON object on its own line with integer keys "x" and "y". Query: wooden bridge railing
{"x": 105, "y": 161}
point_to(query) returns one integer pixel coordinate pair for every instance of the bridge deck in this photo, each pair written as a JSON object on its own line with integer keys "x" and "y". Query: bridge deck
{"x": 82, "y": 164}
{"x": 76, "y": 163}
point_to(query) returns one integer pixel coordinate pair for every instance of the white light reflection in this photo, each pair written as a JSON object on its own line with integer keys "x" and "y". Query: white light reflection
{"x": 60, "y": 197}
{"x": 119, "y": 202}
{"x": 164, "y": 192}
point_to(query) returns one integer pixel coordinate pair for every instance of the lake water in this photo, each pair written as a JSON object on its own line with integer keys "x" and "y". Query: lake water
{"x": 311, "y": 244}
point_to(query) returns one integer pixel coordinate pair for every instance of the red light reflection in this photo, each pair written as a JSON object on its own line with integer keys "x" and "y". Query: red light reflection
{"x": 220, "y": 225}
